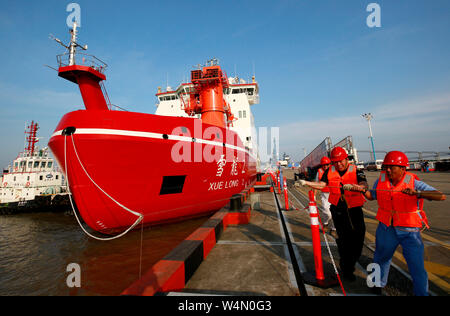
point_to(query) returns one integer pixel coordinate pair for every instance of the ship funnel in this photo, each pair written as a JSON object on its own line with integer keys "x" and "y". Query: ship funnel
{"x": 207, "y": 98}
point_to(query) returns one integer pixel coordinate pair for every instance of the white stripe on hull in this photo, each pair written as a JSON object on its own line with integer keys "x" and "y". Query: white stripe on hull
{"x": 118, "y": 132}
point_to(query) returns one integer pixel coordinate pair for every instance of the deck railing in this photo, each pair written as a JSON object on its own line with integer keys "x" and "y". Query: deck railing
{"x": 83, "y": 60}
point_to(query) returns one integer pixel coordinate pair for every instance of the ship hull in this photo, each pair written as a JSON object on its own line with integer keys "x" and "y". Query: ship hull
{"x": 120, "y": 164}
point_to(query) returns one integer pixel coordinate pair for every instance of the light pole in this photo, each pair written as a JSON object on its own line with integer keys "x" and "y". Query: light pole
{"x": 369, "y": 117}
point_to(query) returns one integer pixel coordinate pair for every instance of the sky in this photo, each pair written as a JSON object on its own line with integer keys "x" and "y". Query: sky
{"x": 318, "y": 64}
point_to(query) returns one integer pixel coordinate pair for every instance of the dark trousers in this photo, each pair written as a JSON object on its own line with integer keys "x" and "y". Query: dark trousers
{"x": 351, "y": 230}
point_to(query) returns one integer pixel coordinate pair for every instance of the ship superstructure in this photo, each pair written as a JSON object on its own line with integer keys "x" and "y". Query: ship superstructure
{"x": 239, "y": 94}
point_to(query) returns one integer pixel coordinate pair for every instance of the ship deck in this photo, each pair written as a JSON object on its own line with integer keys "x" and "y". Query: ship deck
{"x": 270, "y": 255}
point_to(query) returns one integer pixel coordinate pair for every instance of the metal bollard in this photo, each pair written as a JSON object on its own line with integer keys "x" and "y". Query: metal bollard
{"x": 258, "y": 177}
{"x": 236, "y": 202}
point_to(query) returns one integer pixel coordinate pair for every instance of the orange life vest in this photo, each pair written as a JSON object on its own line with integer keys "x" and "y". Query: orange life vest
{"x": 320, "y": 173}
{"x": 396, "y": 207}
{"x": 335, "y": 182}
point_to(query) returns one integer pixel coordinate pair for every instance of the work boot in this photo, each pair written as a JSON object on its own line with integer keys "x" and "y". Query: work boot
{"x": 333, "y": 233}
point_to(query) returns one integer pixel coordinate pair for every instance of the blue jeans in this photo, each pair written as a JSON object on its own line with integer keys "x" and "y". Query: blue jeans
{"x": 387, "y": 240}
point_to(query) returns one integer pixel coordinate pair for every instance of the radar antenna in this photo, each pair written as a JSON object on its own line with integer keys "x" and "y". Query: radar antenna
{"x": 72, "y": 45}
{"x": 212, "y": 62}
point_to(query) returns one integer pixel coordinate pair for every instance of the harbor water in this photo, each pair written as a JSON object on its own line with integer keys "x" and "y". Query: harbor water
{"x": 35, "y": 250}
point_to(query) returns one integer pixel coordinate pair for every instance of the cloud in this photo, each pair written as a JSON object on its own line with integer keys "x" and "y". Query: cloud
{"x": 411, "y": 124}
{"x": 415, "y": 107}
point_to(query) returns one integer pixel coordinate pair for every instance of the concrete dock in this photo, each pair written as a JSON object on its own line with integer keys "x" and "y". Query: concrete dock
{"x": 249, "y": 259}
{"x": 269, "y": 255}
{"x": 254, "y": 259}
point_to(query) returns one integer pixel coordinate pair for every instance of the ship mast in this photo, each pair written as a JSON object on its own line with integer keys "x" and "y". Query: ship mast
{"x": 73, "y": 45}
{"x": 31, "y": 138}
{"x": 88, "y": 76}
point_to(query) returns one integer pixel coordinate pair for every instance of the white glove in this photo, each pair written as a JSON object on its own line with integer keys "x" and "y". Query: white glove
{"x": 302, "y": 183}
{"x": 348, "y": 187}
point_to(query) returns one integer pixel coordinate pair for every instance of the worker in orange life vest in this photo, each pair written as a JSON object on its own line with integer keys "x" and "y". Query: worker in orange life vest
{"x": 327, "y": 220}
{"x": 346, "y": 208}
{"x": 397, "y": 192}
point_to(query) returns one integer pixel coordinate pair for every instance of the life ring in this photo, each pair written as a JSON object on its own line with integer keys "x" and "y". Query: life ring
{"x": 5, "y": 184}
{"x": 27, "y": 184}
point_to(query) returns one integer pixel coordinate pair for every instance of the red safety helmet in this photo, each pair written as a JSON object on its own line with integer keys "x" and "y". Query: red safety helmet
{"x": 338, "y": 154}
{"x": 396, "y": 158}
{"x": 325, "y": 161}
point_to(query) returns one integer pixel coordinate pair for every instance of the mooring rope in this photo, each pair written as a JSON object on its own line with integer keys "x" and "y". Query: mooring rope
{"x": 326, "y": 242}
{"x": 331, "y": 255}
{"x": 140, "y": 216}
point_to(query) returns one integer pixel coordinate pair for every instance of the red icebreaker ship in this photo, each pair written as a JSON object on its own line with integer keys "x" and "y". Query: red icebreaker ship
{"x": 125, "y": 168}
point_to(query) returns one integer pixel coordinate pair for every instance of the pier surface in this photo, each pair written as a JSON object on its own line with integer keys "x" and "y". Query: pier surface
{"x": 270, "y": 255}
{"x": 254, "y": 259}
